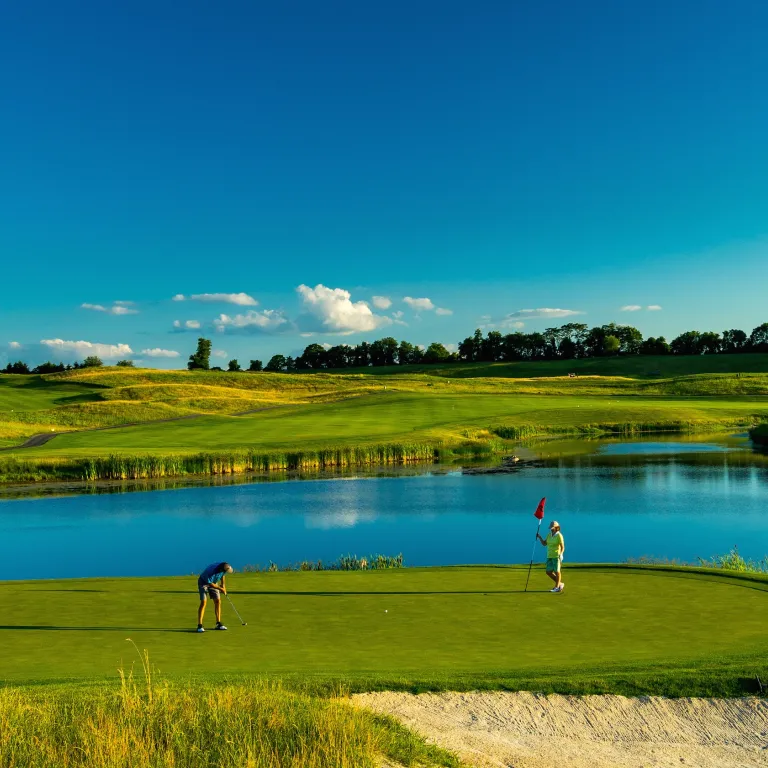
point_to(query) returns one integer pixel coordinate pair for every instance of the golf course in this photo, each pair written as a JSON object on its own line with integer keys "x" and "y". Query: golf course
{"x": 110, "y": 423}
{"x": 291, "y": 686}
{"x": 314, "y": 638}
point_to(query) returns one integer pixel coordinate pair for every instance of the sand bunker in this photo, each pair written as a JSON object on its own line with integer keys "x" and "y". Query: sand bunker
{"x": 528, "y": 730}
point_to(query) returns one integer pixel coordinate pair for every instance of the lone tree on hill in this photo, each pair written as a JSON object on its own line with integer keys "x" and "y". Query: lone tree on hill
{"x": 124, "y": 364}
{"x": 92, "y": 361}
{"x": 256, "y": 365}
{"x": 201, "y": 360}
{"x": 234, "y": 366}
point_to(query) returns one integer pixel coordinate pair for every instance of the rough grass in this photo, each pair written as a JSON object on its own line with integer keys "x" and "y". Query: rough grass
{"x": 146, "y": 724}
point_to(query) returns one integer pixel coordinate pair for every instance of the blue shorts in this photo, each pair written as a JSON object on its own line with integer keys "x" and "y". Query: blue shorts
{"x": 209, "y": 590}
{"x": 553, "y": 564}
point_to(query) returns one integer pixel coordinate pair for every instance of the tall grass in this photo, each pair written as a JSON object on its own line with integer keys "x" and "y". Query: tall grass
{"x": 127, "y": 467}
{"x": 145, "y": 724}
{"x": 343, "y": 563}
{"x": 733, "y": 561}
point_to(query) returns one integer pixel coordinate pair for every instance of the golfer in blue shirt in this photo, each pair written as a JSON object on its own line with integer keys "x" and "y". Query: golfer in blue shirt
{"x": 210, "y": 583}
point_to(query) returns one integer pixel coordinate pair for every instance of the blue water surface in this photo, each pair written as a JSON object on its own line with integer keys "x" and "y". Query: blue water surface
{"x": 655, "y": 506}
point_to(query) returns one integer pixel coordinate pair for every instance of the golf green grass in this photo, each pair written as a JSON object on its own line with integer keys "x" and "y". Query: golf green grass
{"x": 452, "y": 627}
{"x": 402, "y": 417}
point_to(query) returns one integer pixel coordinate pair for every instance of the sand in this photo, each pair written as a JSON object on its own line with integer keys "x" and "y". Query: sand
{"x": 528, "y": 730}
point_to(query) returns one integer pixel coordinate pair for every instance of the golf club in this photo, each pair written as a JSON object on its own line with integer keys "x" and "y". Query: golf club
{"x": 244, "y": 623}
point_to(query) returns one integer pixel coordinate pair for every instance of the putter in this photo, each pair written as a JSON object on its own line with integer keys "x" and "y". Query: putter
{"x": 244, "y": 623}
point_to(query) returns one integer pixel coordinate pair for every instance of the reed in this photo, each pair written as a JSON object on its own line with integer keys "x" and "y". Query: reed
{"x": 135, "y": 467}
{"x": 343, "y": 563}
{"x": 146, "y": 724}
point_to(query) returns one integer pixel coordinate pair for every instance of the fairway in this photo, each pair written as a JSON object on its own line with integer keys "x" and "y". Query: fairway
{"x": 419, "y": 624}
{"x": 399, "y": 417}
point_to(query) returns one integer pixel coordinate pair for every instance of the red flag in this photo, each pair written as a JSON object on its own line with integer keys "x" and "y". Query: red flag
{"x": 539, "y": 513}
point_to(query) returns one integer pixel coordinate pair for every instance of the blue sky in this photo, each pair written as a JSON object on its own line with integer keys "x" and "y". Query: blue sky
{"x": 489, "y": 157}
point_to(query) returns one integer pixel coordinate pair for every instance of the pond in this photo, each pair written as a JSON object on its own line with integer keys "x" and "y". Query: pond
{"x": 615, "y": 500}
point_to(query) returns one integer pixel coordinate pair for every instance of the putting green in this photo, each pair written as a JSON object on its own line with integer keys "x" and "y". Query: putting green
{"x": 419, "y": 623}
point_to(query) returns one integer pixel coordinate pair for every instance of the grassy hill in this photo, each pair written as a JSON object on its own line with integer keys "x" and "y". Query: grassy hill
{"x": 293, "y": 420}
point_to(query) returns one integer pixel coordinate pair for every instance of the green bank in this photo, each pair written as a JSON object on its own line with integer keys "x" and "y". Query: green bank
{"x": 615, "y": 628}
{"x": 109, "y": 423}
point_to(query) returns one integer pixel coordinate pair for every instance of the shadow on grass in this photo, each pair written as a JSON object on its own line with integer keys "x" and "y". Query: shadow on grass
{"x": 345, "y": 594}
{"x": 92, "y": 629}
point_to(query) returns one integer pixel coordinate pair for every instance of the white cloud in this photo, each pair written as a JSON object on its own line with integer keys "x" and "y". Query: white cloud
{"x": 241, "y": 299}
{"x": 157, "y": 352}
{"x": 118, "y": 308}
{"x": 179, "y": 297}
{"x": 516, "y": 324}
{"x": 418, "y": 304}
{"x": 85, "y": 348}
{"x": 265, "y": 320}
{"x": 443, "y": 311}
{"x": 653, "y": 307}
{"x": 545, "y": 312}
{"x": 381, "y": 302}
{"x": 631, "y": 308}
{"x": 335, "y": 311}
{"x": 398, "y": 318}
{"x": 326, "y": 346}
{"x": 219, "y": 353}
{"x": 188, "y": 324}
{"x": 451, "y": 347}
{"x": 14, "y": 345}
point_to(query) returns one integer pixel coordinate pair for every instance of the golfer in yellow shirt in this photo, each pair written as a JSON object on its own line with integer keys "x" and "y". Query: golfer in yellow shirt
{"x": 555, "y": 544}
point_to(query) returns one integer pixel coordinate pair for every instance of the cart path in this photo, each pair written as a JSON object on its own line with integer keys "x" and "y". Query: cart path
{"x": 528, "y": 730}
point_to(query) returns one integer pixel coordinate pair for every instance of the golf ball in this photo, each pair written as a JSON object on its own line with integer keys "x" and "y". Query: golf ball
{"x": 386, "y": 611}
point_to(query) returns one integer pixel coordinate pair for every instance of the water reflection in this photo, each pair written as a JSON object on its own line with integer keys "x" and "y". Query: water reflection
{"x": 612, "y": 505}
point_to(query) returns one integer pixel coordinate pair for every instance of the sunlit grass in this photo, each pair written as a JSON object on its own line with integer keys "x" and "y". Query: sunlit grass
{"x": 147, "y": 724}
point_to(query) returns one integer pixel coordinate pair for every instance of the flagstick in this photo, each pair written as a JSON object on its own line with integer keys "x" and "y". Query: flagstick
{"x": 533, "y": 552}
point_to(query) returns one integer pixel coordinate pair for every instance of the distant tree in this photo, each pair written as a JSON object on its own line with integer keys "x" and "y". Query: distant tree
{"x": 491, "y": 347}
{"x": 758, "y": 339}
{"x": 255, "y": 366}
{"x": 436, "y": 353}
{"x": 568, "y": 349}
{"x": 577, "y": 333}
{"x": 710, "y": 343}
{"x": 688, "y": 343}
{"x": 290, "y": 364}
{"x": 406, "y": 353}
{"x": 339, "y": 356}
{"x": 234, "y": 366}
{"x": 49, "y": 367}
{"x": 124, "y": 364}
{"x": 734, "y": 341}
{"x": 611, "y": 345}
{"x": 361, "y": 355}
{"x": 384, "y": 351}
{"x": 92, "y": 361}
{"x": 201, "y": 360}
{"x": 276, "y": 363}
{"x": 314, "y": 356}
{"x": 217, "y": 368}
{"x": 17, "y": 367}
{"x": 653, "y": 346}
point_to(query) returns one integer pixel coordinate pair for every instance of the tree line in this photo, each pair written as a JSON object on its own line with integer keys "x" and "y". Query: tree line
{"x": 572, "y": 341}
